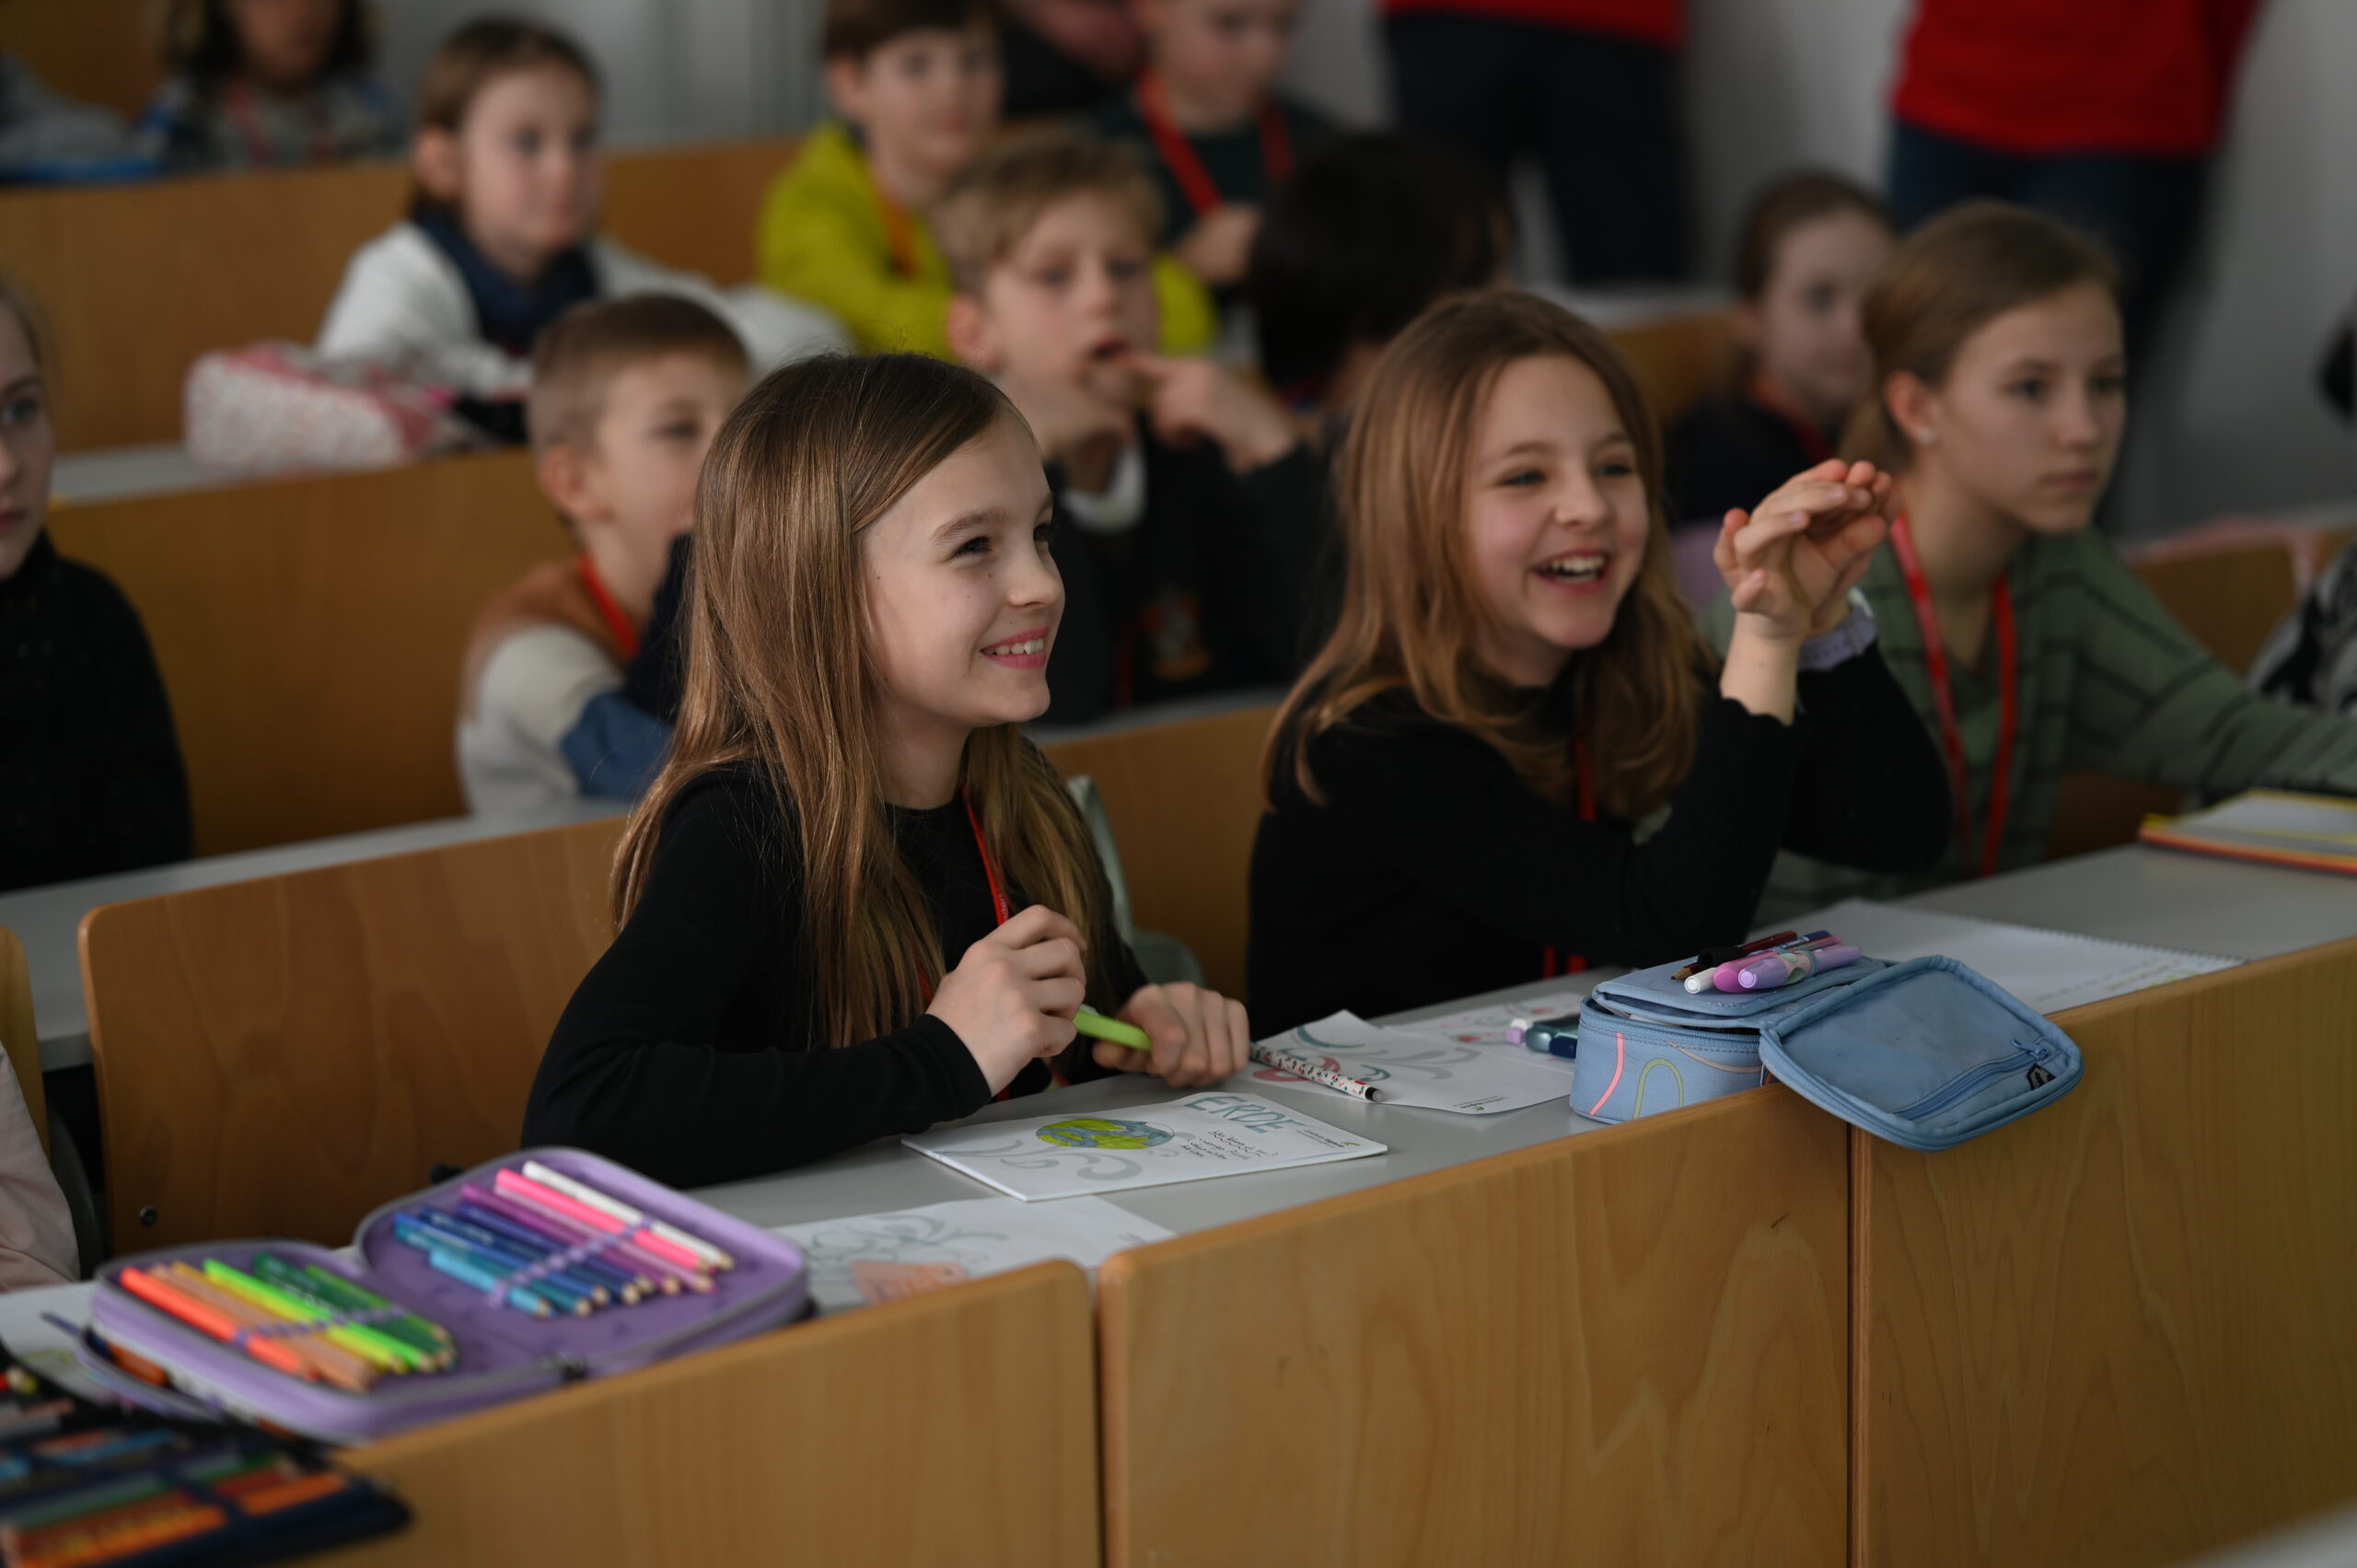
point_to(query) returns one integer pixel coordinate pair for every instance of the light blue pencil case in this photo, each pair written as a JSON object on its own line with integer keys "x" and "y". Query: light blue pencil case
{"x": 1926, "y": 1053}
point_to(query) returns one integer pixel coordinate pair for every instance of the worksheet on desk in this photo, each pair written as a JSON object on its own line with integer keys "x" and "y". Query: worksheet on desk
{"x": 1418, "y": 1070}
{"x": 870, "y": 1258}
{"x": 2051, "y": 970}
{"x": 1215, "y": 1132}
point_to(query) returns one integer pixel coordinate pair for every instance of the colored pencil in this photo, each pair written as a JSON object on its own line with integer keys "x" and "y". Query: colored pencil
{"x": 562, "y": 1232}
{"x": 389, "y": 1354}
{"x": 695, "y": 1246}
{"x": 498, "y": 1268}
{"x": 1315, "y": 1072}
{"x": 520, "y": 1297}
{"x": 517, "y": 1255}
{"x": 616, "y": 1281}
{"x": 648, "y": 1245}
{"x": 348, "y": 1296}
{"x": 201, "y": 1317}
{"x": 335, "y": 1364}
{"x": 431, "y": 1354}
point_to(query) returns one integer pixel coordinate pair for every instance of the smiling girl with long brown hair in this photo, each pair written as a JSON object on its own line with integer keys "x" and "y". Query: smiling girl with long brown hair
{"x": 856, "y": 901}
{"x": 1457, "y": 781}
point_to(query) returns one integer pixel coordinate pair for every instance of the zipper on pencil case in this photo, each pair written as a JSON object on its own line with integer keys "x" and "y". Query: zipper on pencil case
{"x": 1940, "y": 1099}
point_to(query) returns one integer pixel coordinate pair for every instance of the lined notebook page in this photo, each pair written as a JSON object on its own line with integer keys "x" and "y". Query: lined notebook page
{"x": 2051, "y": 970}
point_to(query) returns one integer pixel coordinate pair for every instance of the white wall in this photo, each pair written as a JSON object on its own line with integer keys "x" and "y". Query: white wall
{"x": 2228, "y": 420}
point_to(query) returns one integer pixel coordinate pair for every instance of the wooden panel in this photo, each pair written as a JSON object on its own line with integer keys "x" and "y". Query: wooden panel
{"x": 2230, "y": 599}
{"x": 310, "y": 633}
{"x": 1680, "y": 359}
{"x": 109, "y": 52}
{"x": 1626, "y": 1347}
{"x": 277, "y": 1057}
{"x": 1184, "y": 800}
{"x": 18, "y": 1033}
{"x": 954, "y": 1428}
{"x": 2117, "y": 1331}
{"x": 139, "y": 280}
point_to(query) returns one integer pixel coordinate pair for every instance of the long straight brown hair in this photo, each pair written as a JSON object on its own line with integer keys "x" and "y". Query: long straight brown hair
{"x": 782, "y": 674}
{"x": 1410, "y": 604}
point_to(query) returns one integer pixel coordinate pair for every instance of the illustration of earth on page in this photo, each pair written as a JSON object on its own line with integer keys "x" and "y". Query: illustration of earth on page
{"x": 1203, "y": 1135}
{"x": 1470, "y": 1078}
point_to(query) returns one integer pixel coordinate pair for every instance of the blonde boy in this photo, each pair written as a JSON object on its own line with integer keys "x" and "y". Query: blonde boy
{"x": 626, "y": 397}
{"x": 1190, "y": 513}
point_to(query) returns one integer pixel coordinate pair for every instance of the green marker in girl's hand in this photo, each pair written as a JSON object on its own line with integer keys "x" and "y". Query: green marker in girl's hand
{"x": 1096, "y": 1025}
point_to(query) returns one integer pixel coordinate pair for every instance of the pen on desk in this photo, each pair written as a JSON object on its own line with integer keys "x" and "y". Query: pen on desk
{"x": 1712, "y": 958}
{"x": 1729, "y": 976}
{"x": 1315, "y": 1072}
{"x": 1769, "y": 970}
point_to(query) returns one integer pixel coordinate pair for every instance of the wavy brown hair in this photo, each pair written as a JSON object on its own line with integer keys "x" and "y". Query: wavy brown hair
{"x": 781, "y": 674}
{"x": 1409, "y": 603}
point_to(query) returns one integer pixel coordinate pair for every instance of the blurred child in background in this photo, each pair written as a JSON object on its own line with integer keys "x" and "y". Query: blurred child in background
{"x": 850, "y": 226}
{"x": 270, "y": 83}
{"x": 1206, "y": 110}
{"x": 90, "y": 773}
{"x": 502, "y": 239}
{"x": 1811, "y": 246}
{"x": 626, "y": 397}
{"x": 1189, "y": 508}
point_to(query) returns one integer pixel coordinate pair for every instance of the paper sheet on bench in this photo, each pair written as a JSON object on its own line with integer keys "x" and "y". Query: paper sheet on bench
{"x": 2051, "y": 970}
{"x": 973, "y": 1235}
{"x": 1214, "y": 1132}
{"x": 1418, "y": 1069}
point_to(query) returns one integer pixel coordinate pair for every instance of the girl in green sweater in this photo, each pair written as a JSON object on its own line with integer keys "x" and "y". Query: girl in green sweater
{"x": 2027, "y": 649}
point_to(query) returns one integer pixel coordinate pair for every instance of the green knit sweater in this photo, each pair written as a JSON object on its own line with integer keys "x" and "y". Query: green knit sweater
{"x": 2109, "y": 682}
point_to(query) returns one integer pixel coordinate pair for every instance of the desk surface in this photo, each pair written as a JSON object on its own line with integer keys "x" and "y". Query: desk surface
{"x": 48, "y": 919}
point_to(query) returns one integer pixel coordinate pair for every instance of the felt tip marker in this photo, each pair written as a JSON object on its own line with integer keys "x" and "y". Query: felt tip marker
{"x": 1096, "y": 1025}
{"x": 1769, "y": 970}
{"x": 1703, "y": 972}
{"x": 1725, "y": 976}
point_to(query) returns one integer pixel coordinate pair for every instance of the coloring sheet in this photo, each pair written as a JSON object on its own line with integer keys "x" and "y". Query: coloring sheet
{"x": 26, "y": 1329}
{"x": 1488, "y": 1024}
{"x": 1212, "y": 1134}
{"x": 1417, "y": 1069}
{"x": 870, "y": 1258}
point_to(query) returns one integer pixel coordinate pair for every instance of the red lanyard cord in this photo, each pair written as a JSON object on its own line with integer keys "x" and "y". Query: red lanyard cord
{"x": 1194, "y": 179}
{"x": 1935, "y": 663}
{"x": 625, "y": 634}
{"x": 1550, "y": 966}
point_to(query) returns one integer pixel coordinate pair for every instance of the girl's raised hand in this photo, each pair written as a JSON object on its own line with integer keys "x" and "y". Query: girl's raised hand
{"x": 1011, "y": 996}
{"x": 1200, "y": 1036}
{"x": 1790, "y": 562}
{"x": 1196, "y": 399}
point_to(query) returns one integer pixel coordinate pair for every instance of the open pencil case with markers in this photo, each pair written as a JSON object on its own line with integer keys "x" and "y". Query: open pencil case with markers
{"x": 1925, "y": 1053}
{"x": 440, "y": 1327}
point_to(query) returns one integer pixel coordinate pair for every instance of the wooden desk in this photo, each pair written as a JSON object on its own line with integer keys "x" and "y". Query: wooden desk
{"x": 954, "y": 1429}
{"x": 2118, "y": 1332}
{"x": 1624, "y": 1347}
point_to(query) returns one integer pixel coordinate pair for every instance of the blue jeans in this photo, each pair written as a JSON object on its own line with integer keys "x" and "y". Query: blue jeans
{"x": 2142, "y": 208}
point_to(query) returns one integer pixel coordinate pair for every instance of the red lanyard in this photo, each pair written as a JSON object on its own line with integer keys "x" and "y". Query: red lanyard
{"x": 625, "y": 634}
{"x": 1194, "y": 179}
{"x": 1935, "y": 661}
{"x": 1812, "y": 440}
{"x": 899, "y": 228}
{"x": 1572, "y": 963}
{"x": 990, "y": 867}
{"x": 239, "y": 102}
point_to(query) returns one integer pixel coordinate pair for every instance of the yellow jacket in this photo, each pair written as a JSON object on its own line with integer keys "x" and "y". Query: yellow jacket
{"x": 823, "y": 238}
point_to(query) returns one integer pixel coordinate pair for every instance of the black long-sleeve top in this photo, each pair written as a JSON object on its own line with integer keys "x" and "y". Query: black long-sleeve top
{"x": 90, "y": 774}
{"x": 692, "y": 1051}
{"x": 1206, "y": 594}
{"x": 1432, "y": 873}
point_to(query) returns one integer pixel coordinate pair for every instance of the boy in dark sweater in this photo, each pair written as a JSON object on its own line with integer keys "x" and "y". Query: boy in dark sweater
{"x": 1190, "y": 513}
{"x": 90, "y": 774}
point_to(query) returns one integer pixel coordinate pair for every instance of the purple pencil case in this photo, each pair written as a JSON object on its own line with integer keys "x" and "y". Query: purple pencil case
{"x": 503, "y": 1353}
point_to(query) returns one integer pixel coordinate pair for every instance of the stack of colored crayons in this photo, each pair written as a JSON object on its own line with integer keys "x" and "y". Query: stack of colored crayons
{"x": 544, "y": 1243}
{"x": 307, "y": 1322}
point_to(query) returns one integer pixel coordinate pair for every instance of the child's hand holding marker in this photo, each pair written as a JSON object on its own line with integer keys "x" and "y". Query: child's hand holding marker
{"x": 1011, "y": 996}
{"x": 1183, "y": 1034}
